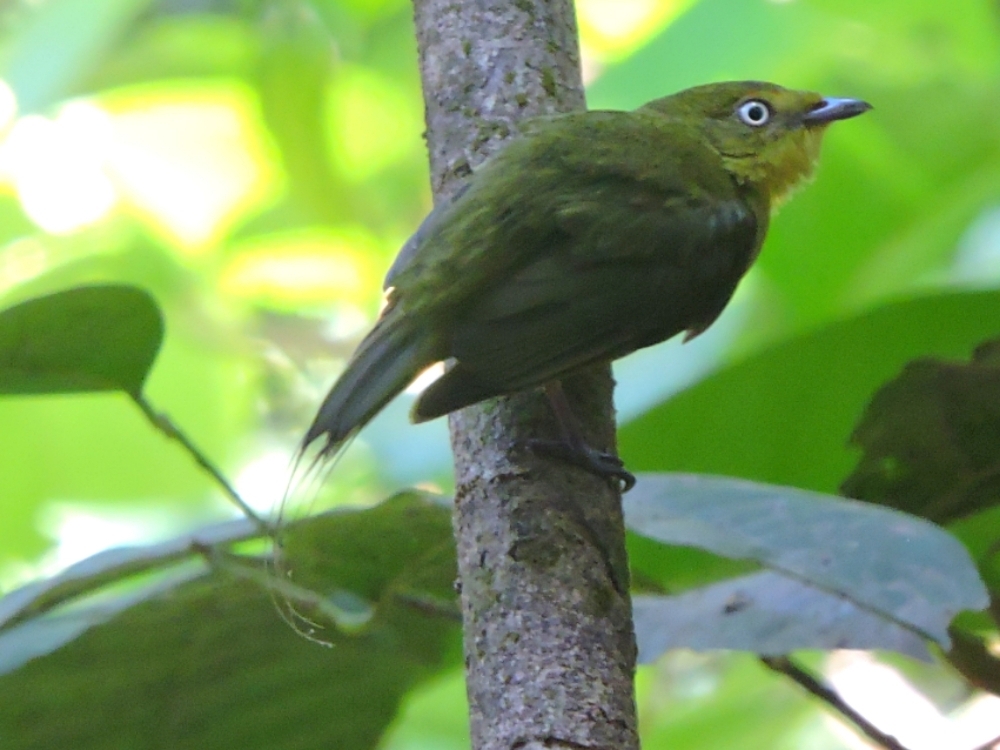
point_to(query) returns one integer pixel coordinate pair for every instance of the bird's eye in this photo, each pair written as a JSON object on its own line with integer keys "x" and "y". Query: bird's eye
{"x": 754, "y": 113}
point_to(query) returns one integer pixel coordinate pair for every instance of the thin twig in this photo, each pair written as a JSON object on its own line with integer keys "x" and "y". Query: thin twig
{"x": 785, "y": 666}
{"x": 163, "y": 424}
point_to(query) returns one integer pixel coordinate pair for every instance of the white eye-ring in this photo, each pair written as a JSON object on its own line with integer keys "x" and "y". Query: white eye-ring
{"x": 754, "y": 113}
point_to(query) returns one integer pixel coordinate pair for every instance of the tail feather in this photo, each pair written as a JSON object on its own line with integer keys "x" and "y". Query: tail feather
{"x": 388, "y": 359}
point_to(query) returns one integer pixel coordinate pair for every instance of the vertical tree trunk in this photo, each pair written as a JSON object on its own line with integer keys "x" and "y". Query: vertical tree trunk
{"x": 549, "y": 644}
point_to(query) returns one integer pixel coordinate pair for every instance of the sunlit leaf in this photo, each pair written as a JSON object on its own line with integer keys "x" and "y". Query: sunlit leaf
{"x": 301, "y": 269}
{"x": 57, "y": 167}
{"x": 85, "y": 339}
{"x": 373, "y": 121}
{"x": 189, "y": 159}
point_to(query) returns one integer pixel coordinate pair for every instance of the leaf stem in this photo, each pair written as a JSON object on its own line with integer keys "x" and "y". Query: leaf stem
{"x": 784, "y": 665}
{"x": 163, "y": 423}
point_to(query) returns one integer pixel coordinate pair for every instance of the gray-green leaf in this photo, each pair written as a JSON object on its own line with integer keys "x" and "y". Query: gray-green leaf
{"x": 893, "y": 565}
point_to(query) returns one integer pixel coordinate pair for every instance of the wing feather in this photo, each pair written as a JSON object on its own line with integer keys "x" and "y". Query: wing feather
{"x": 557, "y": 259}
{"x": 563, "y": 312}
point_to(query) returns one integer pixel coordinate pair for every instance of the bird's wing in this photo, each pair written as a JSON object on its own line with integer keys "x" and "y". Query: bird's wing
{"x": 592, "y": 236}
{"x": 559, "y": 167}
{"x": 650, "y": 277}
{"x": 564, "y": 309}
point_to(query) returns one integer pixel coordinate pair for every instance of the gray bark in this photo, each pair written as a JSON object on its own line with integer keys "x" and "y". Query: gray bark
{"x": 549, "y": 644}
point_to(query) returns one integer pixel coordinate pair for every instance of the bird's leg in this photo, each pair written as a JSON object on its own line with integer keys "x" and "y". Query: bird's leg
{"x": 573, "y": 448}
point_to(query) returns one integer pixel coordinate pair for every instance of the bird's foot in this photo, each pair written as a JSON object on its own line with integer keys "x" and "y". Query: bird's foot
{"x": 605, "y": 465}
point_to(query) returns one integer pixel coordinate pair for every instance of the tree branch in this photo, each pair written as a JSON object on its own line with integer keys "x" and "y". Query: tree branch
{"x": 549, "y": 644}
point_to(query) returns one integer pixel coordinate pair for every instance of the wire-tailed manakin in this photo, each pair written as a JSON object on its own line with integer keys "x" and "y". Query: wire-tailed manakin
{"x": 588, "y": 236}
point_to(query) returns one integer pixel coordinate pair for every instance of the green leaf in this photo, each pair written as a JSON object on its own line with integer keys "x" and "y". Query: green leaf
{"x": 93, "y": 338}
{"x": 22, "y": 643}
{"x": 202, "y": 659}
{"x": 897, "y": 567}
{"x": 785, "y": 415}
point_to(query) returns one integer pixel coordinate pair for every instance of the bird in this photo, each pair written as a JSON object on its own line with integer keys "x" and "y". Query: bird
{"x": 588, "y": 236}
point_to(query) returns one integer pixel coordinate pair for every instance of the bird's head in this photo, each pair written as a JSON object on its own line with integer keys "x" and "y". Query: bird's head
{"x": 767, "y": 136}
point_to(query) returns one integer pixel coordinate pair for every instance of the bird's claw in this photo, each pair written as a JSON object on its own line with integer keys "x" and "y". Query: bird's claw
{"x": 605, "y": 465}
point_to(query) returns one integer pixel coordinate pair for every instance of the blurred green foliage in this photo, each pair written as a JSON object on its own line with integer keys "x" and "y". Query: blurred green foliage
{"x": 255, "y": 164}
